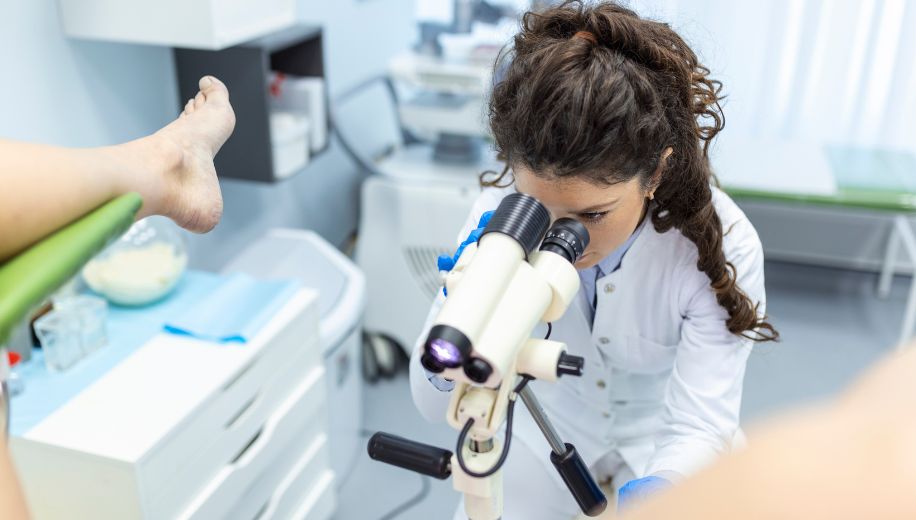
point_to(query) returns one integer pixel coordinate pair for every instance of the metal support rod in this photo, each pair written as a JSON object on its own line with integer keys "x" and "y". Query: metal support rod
{"x": 909, "y": 243}
{"x": 534, "y": 407}
{"x": 890, "y": 261}
{"x": 4, "y": 408}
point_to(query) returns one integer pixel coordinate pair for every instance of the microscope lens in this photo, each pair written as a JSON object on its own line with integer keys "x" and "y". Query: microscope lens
{"x": 446, "y": 347}
{"x": 445, "y": 352}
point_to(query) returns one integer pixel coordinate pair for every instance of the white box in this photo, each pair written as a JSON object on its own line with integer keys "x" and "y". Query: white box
{"x": 289, "y": 139}
{"x": 306, "y": 96}
{"x": 197, "y": 24}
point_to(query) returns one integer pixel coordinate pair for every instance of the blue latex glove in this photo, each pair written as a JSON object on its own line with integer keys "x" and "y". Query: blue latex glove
{"x": 447, "y": 263}
{"x": 637, "y": 490}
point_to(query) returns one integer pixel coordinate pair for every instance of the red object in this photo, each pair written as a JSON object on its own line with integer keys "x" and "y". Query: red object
{"x": 14, "y": 357}
{"x": 276, "y": 84}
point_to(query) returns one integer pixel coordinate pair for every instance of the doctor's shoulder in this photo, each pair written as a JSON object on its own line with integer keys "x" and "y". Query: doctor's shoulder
{"x": 740, "y": 244}
{"x": 739, "y": 238}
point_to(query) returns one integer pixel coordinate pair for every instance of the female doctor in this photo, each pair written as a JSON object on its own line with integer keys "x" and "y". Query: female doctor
{"x": 606, "y": 117}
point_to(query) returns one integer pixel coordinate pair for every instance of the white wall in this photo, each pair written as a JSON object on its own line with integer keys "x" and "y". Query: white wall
{"x": 78, "y": 93}
{"x": 360, "y": 36}
{"x": 74, "y": 93}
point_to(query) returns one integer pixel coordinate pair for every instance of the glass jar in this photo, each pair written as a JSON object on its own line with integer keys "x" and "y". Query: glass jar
{"x": 143, "y": 266}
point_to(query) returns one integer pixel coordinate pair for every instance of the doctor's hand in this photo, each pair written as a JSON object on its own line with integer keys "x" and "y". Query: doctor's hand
{"x": 447, "y": 263}
{"x": 638, "y": 490}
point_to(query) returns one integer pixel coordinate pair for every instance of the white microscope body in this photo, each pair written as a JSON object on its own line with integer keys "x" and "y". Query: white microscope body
{"x": 497, "y": 293}
{"x": 537, "y": 291}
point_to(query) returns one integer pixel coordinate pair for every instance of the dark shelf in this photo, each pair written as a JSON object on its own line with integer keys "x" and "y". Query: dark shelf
{"x": 244, "y": 68}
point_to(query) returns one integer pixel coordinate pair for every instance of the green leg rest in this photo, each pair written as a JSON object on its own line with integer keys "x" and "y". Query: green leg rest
{"x": 29, "y": 278}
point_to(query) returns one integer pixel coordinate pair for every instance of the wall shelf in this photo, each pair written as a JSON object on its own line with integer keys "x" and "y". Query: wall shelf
{"x": 245, "y": 69}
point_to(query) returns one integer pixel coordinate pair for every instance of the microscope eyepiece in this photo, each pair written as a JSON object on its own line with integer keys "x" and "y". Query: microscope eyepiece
{"x": 445, "y": 347}
{"x": 567, "y": 238}
{"x": 520, "y": 217}
{"x": 430, "y": 363}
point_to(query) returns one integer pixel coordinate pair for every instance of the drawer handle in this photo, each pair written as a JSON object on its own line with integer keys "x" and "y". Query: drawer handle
{"x": 243, "y": 411}
{"x": 238, "y": 376}
{"x": 260, "y": 514}
{"x": 248, "y": 446}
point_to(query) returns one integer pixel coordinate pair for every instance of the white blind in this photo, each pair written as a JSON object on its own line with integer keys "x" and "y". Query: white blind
{"x": 835, "y": 71}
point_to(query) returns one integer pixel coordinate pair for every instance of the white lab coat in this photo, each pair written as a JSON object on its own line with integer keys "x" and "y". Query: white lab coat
{"x": 663, "y": 376}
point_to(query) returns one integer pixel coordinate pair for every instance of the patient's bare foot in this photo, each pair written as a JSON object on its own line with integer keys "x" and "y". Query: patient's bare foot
{"x": 181, "y": 156}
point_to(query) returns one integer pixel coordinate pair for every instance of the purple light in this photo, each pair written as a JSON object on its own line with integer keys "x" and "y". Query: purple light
{"x": 445, "y": 352}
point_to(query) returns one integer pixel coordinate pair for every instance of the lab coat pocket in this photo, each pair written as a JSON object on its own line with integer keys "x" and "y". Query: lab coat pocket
{"x": 647, "y": 357}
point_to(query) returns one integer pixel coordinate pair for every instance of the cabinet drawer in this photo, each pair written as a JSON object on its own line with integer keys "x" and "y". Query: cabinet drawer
{"x": 301, "y": 419}
{"x": 307, "y": 491}
{"x": 150, "y": 437}
{"x": 307, "y": 464}
{"x": 307, "y": 502}
{"x": 308, "y": 473}
{"x": 196, "y": 454}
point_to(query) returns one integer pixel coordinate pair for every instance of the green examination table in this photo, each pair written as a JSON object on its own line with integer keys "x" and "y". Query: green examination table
{"x": 867, "y": 180}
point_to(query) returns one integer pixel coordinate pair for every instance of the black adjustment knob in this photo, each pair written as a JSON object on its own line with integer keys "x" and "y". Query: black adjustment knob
{"x": 570, "y": 365}
{"x": 407, "y": 454}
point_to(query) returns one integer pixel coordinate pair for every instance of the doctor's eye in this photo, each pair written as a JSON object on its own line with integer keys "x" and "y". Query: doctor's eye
{"x": 593, "y": 216}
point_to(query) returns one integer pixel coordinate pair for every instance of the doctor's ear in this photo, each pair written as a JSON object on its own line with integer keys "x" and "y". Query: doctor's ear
{"x": 659, "y": 172}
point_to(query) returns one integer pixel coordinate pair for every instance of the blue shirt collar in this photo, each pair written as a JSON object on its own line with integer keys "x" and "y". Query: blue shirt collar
{"x": 612, "y": 262}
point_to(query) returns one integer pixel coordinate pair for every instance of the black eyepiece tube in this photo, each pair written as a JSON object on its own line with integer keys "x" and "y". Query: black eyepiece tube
{"x": 405, "y": 453}
{"x": 567, "y": 238}
{"x": 579, "y": 481}
{"x": 521, "y": 217}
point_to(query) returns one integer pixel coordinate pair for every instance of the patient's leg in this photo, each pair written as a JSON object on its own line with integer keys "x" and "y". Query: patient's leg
{"x": 46, "y": 187}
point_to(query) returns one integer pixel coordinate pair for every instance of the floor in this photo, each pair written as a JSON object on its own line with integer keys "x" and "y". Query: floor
{"x": 832, "y": 326}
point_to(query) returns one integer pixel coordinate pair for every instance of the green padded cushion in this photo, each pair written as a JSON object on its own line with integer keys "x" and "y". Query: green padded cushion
{"x": 29, "y": 278}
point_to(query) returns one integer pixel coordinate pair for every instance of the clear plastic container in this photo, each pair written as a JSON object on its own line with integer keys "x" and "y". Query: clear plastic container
{"x": 92, "y": 312}
{"x": 75, "y": 328}
{"x": 142, "y": 267}
{"x": 61, "y": 339}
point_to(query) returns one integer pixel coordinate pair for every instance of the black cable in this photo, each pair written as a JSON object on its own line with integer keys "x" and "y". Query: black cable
{"x": 549, "y": 330}
{"x": 505, "y": 453}
{"x": 416, "y": 499}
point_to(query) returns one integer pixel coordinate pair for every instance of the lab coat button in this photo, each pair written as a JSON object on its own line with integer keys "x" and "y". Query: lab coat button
{"x": 609, "y": 288}
{"x": 602, "y": 384}
{"x": 603, "y": 340}
{"x": 607, "y": 415}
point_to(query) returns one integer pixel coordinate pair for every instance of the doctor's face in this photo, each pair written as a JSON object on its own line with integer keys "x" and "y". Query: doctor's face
{"x": 610, "y": 212}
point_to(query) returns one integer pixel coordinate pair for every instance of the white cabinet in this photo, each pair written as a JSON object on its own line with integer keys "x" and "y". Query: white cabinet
{"x": 184, "y": 428}
{"x": 197, "y": 24}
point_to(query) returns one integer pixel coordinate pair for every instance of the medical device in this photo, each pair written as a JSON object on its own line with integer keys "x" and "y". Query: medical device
{"x": 499, "y": 290}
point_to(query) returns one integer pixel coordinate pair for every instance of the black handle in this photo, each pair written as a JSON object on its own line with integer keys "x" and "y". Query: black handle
{"x": 407, "y": 454}
{"x": 579, "y": 481}
{"x": 570, "y": 365}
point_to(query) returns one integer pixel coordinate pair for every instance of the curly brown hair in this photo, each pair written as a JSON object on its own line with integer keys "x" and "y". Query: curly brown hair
{"x": 595, "y": 90}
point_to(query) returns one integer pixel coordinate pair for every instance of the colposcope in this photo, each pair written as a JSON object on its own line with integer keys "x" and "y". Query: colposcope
{"x": 520, "y": 273}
